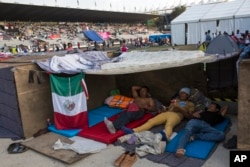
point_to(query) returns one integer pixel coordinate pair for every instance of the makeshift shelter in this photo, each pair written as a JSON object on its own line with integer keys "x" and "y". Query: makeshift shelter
{"x": 28, "y": 102}
{"x": 92, "y": 35}
{"x": 191, "y": 25}
{"x": 28, "y": 95}
{"x": 164, "y": 72}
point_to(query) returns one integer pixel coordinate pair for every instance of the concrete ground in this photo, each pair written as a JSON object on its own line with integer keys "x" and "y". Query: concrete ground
{"x": 105, "y": 158}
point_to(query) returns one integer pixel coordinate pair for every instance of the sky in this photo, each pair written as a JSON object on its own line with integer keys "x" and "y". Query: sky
{"x": 135, "y": 6}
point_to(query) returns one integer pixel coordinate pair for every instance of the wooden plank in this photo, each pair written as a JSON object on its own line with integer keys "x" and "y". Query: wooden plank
{"x": 243, "y": 137}
{"x": 43, "y": 144}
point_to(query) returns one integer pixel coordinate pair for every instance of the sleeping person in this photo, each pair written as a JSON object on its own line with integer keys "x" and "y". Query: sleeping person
{"x": 200, "y": 127}
{"x": 142, "y": 102}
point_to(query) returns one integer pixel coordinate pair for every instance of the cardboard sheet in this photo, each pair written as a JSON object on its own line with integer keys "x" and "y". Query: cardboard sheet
{"x": 43, "y": 144}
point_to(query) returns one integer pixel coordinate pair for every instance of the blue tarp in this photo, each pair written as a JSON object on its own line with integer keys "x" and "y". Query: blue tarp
{"x": 92, "y": 35}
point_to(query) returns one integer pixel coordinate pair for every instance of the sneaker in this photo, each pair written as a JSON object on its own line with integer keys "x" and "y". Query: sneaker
{"x": 119, "y": 160}
{"x": 129, "y": 160}
{"x": 231, "y": 143}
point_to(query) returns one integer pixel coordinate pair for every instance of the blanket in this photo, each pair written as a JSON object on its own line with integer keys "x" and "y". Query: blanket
{"x": 76, "y": 63}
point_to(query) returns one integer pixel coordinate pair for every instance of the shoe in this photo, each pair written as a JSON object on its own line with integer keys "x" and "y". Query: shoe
{"x": 109, "y": 126}
{"x": 119, "y": 160}
{"x": 180, "y": 152}
{"x": 15, "y": 148}
{"x": 129, "y": 160}
{"x": 124, "y": 138}
{"x": 231, "y": 143}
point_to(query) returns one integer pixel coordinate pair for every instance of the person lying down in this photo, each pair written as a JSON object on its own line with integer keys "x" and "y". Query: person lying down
{"x": 142, "y": 102}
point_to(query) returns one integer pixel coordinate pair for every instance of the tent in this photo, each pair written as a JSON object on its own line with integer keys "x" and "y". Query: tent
{"x": 223, "y": 45}
{"x": 191, "y": 25}
{"x": 222, "y": 74}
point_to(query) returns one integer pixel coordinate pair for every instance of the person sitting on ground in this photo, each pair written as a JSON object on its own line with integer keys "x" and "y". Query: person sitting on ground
{"x": 179, "y": 108}
{"x": 142, "y": 102}
{"x": 201, "y": 127}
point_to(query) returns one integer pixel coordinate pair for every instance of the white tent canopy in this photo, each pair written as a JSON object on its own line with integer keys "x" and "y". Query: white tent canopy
{"x": 224, "y": 17}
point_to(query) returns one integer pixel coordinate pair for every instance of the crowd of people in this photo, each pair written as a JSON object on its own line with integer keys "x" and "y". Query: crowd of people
{"x": 242, "y": 39}
{"x": 19, "y": 37}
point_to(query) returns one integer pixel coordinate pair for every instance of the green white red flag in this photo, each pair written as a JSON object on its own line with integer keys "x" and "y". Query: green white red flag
{"x": 69, "y": 96}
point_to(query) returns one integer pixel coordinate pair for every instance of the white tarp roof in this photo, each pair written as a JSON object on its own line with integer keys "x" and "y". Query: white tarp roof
{"x": 244, "y": 10}
{"x": 220, "y": 16}
{"x": 223, "y": 10}
{"x": 214, "y": 11}
{"x": 193, "y": 14}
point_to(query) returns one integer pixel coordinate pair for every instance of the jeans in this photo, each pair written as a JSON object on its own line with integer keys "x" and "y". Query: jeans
{"x": 126, "y": 117}
{"x": 199, "y": 130}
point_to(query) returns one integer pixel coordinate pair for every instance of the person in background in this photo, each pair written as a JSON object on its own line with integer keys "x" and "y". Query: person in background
{"x": 124, "y": 47}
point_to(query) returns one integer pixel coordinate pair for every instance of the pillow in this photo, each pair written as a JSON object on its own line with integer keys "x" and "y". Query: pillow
{"x": 199, "y": 99}
{"x": 120, "y": 101}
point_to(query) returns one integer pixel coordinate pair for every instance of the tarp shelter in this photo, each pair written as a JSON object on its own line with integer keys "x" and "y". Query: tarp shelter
{"x": 191, "y": 25}
{"x": 27, "y": 101}
{"x": 92, "y": 35}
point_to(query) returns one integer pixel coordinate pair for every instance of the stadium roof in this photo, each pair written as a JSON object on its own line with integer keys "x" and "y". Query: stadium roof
{"x": 24, "y": 12}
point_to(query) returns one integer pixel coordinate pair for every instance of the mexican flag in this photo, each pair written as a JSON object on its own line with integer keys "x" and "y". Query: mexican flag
{"x": 69, "y": 96}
